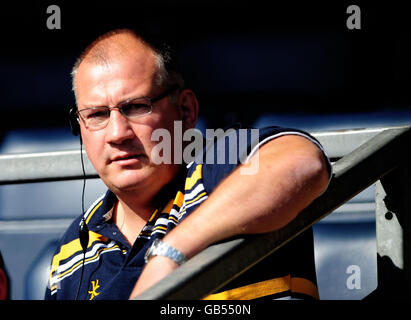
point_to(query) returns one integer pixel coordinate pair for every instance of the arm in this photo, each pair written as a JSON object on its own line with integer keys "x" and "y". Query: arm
{"x": 292, "y": 173}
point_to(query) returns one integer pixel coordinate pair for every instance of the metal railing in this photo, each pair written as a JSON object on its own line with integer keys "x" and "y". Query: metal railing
{"x": 66, "y": 165}
{"x": 362, "y": 157}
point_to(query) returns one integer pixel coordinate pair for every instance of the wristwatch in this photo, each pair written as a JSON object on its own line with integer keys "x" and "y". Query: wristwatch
{"x": 159, "y": 248}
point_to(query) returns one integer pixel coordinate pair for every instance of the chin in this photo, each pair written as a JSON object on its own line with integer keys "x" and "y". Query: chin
{"x": 144, "y": 179}
{"x": 132, "y": 180}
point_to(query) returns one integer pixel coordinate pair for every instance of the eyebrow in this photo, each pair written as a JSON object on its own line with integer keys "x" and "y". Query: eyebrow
{"x": 131, "y": 99}
{"x": 121, "y": 103}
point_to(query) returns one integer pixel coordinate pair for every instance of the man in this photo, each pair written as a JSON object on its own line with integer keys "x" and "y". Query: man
{"x": 182, "y": 208}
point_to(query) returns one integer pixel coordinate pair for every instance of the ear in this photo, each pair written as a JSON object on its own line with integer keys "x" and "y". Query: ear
{"x": 188, "y": 104}
{"x": 74, "y": 122}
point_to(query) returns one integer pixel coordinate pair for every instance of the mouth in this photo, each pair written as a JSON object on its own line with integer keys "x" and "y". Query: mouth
{"x": 127, "y": 159}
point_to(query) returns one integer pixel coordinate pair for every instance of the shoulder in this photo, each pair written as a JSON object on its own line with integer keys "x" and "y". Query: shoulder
{"x": 226, "y": 149}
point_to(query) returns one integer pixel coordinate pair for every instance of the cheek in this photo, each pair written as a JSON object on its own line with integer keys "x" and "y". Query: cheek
{"x": 170, "y": 120}
{"x": 150, "y": 143}
{"x": 157, "y": 137}
{"x": 157, "y": 124}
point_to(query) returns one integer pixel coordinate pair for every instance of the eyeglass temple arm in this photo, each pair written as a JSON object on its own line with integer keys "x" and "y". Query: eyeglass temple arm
{"x": 166, "y": 93}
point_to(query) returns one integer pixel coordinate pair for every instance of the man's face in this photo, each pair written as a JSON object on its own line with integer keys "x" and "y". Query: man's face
{"x": 121, "y": 152}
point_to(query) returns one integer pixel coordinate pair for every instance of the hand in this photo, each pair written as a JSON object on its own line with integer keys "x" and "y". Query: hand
{"x": 157, "y": 268}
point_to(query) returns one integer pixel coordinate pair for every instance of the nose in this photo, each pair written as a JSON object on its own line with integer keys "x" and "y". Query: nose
{"x": 118, "y": 128}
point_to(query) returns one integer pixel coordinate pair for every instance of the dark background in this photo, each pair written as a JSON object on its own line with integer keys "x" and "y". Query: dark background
{"x": 242, "y": 58}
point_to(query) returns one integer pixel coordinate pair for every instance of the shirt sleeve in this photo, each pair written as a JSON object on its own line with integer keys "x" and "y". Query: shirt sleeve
{"x": 236, "y": 146}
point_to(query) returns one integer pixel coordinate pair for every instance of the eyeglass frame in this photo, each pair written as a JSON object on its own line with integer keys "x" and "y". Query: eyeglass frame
{"x": 124, "y": 103}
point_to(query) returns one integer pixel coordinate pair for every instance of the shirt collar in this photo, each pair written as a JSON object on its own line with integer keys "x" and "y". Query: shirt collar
{"x": 102, "y": 211}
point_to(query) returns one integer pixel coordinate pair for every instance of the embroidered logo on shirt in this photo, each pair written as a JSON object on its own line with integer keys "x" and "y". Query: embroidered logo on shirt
{"x": 93, "y": 291}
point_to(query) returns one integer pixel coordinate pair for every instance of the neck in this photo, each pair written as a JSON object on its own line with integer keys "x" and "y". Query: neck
{"x": 134, "y": 209}
{"x": 130, "y": 221}
{"x": 144, "y": 201}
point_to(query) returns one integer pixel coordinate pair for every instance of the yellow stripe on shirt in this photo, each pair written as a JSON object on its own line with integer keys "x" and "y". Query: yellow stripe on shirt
{"x": 67, "y": 250}
{"x": 197, "y": 174}
{"x": 196, "y": 198}
{"x": 168, "y": 207}
{"x": 97, "y": 255}
{"x": 93, "y": 211}
{"x": 153, "y": 215}
{"x": 160, "y": 228}
{"x": 266, "y": 288}
{"x": 179, "y": 199}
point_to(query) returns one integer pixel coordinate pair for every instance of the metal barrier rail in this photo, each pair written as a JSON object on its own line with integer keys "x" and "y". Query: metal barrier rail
{"x": 66, "y": 165}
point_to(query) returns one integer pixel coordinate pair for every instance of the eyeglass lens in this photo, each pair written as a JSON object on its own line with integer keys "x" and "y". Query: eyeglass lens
{"x": 99, "y": 115}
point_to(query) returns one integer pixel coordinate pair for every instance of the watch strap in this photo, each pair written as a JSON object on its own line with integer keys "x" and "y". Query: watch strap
{"x": 160, "y": 248}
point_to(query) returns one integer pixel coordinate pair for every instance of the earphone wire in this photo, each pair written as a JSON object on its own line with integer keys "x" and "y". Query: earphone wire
{"x": 83, "y": 222}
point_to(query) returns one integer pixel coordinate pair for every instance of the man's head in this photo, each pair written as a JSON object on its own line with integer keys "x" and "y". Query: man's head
{"x": 115, "y": 69}
{"x": 100, "y": 51}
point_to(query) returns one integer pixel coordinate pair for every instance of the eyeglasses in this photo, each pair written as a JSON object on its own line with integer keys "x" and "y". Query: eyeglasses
{"x": 97, "y": 118}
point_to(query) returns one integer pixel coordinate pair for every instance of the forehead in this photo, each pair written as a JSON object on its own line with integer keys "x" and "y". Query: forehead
{"x": 123, "y": 67}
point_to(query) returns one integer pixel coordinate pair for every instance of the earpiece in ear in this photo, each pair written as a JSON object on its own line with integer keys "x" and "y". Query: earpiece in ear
{"x": 74, "y": 125}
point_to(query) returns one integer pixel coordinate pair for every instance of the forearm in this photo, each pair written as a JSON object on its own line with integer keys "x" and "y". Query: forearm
{"x": 290, "y": 176}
